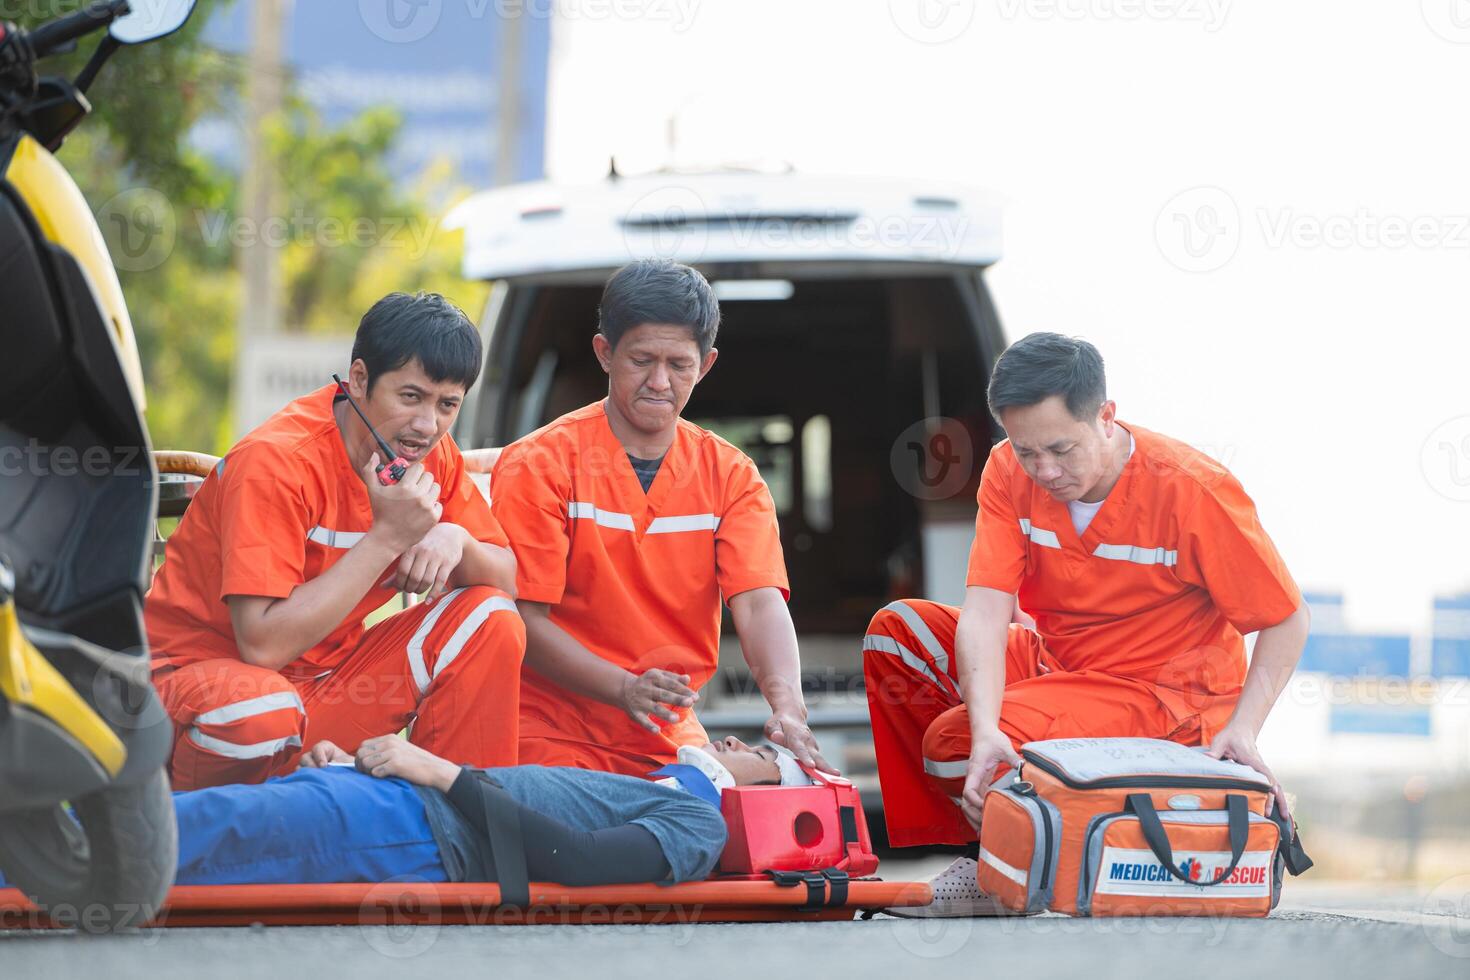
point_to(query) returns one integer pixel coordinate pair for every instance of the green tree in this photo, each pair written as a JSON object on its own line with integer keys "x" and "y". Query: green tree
{"x": 353, "y": 234}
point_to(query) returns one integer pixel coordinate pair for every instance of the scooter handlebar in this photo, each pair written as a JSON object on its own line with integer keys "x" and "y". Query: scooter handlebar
{"x": 48, "y": 37}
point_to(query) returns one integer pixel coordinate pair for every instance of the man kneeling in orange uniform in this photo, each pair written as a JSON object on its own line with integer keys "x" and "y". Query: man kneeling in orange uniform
{"x": 256, "y": 619}
{"x": 1143, "y": 564}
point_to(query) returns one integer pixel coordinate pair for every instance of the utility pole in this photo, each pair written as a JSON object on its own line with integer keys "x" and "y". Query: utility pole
{"x": 260, "y": 306}
{"x": 260, "y": 265}
{"x": 508, "y": 121}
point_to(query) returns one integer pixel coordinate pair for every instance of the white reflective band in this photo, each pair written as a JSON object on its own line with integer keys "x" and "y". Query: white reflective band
{"x": 946, "y": 770}
{"x": 887, "y": 644}
{"x": 1010, "y": 871}
{"x": 922, "y": 633}
{"x": 1043, "y": 537}
{"x": 225, "y": 714}
{"x": 416, "y": 644}
{"x": 1137, "y": 555}
{"x": 606, "y": 518}
{"x": 258, "y": 750}
{"x": 467, "y": 629}
{"x": 334, "y": 539}
{"x": 686, "y": 522}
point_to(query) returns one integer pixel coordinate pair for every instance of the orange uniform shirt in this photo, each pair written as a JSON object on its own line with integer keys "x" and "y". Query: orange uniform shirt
{"x": 635, "y": 577}
{"x": 281, "y": 508}
{"x": 1173, "y": 569}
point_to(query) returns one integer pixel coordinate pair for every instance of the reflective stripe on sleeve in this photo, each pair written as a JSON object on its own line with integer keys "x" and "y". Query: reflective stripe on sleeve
{"x": 334, "y": 539}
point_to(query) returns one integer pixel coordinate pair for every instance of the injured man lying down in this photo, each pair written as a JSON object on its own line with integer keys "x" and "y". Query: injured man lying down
{"x": 397, "y": 811}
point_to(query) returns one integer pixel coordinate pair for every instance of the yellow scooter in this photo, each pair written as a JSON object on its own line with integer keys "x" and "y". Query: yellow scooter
{"x": 86, "y": 820}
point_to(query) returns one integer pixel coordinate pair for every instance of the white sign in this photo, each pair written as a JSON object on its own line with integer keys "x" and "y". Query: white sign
{"x": 273, "y": 369}
{"x": 1135, "y": 871}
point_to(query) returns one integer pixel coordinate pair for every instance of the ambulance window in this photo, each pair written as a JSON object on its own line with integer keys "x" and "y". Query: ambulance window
{"x": 816, "y": 472}
{"x": 770, "y": 443}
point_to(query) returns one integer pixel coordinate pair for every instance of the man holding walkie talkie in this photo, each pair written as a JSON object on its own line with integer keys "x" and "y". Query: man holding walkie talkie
{"x": 311, "y": 522}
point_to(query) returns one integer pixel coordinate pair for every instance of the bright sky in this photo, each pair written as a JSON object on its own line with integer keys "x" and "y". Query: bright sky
{"x": 1311, "y": 329}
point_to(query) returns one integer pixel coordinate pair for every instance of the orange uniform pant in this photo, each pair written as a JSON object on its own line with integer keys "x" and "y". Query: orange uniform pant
{"x": 921, "y": 728}
{"x": 450, "y": 666}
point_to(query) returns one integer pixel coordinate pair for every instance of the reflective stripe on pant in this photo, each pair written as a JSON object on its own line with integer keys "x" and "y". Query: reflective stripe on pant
{"x": 921, "y": 728}
{"x": 451, "y": 666}
{"x": 233, "y": 723}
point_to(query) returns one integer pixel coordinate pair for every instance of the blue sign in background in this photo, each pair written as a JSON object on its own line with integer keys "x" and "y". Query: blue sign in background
{"x": 1356, "y": 654}
{"x": 435, "y": 61}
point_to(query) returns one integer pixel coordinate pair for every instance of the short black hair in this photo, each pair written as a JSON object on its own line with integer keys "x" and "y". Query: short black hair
{"x": 400, "y": 327}
{"x": 1040, "y": 365}
{"x": 659, "y": 291}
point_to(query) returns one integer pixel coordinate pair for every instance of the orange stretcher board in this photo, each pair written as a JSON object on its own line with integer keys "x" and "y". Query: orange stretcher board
{"x": 404, "y": 903}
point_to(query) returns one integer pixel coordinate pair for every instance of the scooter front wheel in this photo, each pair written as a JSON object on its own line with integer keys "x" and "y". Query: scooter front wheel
{"x": 105, "y": 868}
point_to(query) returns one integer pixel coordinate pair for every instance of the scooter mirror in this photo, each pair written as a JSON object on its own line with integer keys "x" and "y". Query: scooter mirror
{"x": 149, "y": 20}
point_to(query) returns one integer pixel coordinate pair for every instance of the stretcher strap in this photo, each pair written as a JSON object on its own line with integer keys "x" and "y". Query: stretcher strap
{"x": 1142, "y": 805}
{"x": 826, "y": 888}
{"x": 816, "y": 886}
{"x": 507, "y": 845}
{"x": 838, "y": 882}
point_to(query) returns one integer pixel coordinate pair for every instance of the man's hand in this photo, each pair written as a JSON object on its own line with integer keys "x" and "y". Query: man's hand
{"x": 792, "y": 732}
{"x": 644, "y": 696}
{"x": 426, "y": 566}
{"x": 323, "y": 753}
{"x": 391, "y": 756}
{"x": 404, "y": 512}
{"x": 1237, "y": 744}
{"x": 987, "y": 750}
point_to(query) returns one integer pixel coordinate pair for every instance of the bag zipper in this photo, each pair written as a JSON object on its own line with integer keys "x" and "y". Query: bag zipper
{"x": 1030, "y": 793}
{"x": 1140, "y": 782}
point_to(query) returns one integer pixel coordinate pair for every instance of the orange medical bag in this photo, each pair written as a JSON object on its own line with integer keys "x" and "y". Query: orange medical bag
{"x": 1133, "y": 826}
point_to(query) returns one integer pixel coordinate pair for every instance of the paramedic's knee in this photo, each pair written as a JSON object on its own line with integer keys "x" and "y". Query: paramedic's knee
{"x": 490, "y": 636}
{"x": 904, "y": 671}
{"x": 947, "y": 750}
{"x": 894, "y": 618}
{"x": 249, "y": 723}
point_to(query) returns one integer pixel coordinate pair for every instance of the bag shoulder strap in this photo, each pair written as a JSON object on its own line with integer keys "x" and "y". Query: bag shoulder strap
{"x": 1142, "y": 806}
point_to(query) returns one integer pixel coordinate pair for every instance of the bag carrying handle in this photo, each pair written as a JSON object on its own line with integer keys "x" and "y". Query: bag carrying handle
{"x": 1142, "y": 806}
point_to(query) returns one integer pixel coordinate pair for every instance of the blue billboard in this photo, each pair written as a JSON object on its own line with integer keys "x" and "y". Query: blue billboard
{"x": 1451, "y": 646}
{"x": 437, "y": 62}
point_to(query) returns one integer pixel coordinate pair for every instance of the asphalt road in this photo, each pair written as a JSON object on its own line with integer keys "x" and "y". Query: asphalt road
{"x": 1319, "y": 931}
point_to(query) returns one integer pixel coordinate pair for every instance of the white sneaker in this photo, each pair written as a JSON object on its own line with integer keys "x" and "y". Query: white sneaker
{"x": 956, "y": 896}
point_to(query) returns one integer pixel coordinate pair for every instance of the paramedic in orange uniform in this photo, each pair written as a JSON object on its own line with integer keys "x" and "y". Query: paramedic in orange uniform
{"x": 256, "y": 619}
{"x": 629, "y": 525}
{"x": 1112, "y": 578}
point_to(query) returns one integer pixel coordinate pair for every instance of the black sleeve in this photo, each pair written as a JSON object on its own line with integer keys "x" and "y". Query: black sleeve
{"x": 555, "y": 852}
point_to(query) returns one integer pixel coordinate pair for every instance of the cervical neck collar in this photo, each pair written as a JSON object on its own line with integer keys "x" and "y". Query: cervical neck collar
{"x": 713, "y": 769}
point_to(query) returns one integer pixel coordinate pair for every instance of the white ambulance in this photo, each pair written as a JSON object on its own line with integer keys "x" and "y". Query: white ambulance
{"x": 855, "y": 349}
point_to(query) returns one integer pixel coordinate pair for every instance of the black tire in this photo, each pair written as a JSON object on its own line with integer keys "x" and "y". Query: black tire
{"x": 109, "y": 874}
